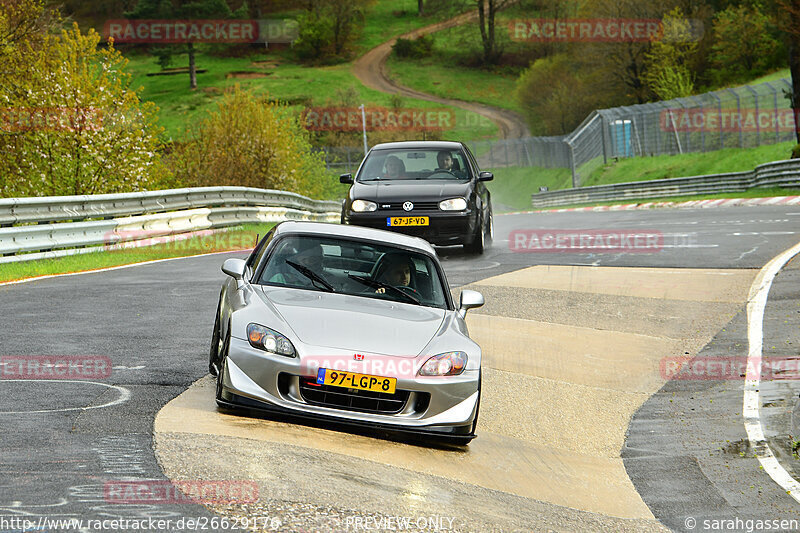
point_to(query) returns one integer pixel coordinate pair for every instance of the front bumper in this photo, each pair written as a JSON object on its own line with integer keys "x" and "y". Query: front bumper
{"x": 259, "y": 380}
{"x": 446, "y": 227}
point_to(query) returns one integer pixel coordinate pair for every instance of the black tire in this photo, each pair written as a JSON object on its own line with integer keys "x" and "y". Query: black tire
{"x": 213, "y": 354}
{"x": 221, "y": 373}
{"x": 478, "y": 244}
{"x": 490, "y": 228}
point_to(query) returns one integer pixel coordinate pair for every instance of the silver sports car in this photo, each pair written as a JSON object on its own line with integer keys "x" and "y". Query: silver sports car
{"x": 350, "y": 324}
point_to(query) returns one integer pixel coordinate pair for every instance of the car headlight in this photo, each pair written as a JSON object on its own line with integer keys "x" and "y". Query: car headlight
{"x": 269, "y": 340}
{"x": 453, "y": 204}
{"x": 444, "y": 364}
{"x": 361, "y": 206}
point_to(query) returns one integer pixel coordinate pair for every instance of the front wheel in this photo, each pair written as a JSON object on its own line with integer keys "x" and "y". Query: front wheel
{"x": 478, "y": 244}
{"x": 221, "y": 373}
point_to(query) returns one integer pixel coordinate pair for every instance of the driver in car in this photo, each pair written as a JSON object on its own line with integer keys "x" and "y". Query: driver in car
{"x": 445, "y": 160}
{"x": 397, "y": 272}
{"x": 447, "y": 163}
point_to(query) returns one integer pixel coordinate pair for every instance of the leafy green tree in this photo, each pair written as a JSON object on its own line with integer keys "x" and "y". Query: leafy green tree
{"x": 744, "y": 43}
{"x": 328, "y": 28}
{"x": 191, "y": 10}
{"x": 667, "y": 62}
{"x": 77, "y": 128}
{"x": 253, "y": 142}
{"x": 554, "y": 96}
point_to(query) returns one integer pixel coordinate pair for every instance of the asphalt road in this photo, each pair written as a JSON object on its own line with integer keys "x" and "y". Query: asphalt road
{"x": 154, "y": 323}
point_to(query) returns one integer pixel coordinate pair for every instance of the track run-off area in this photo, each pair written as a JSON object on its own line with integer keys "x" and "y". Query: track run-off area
{"x": 581, "y": 428}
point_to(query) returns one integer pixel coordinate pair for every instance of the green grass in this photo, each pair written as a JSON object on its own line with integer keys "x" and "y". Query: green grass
{"x": 283, "y": 80}
{"x": 783, "y": 73}
{"x": 390, "y": 18}
{"x": 693, "y": 164}
{"x": 432, "y": 76}
{"x": 512, "y": 187}
{"x": 240, "y": 237}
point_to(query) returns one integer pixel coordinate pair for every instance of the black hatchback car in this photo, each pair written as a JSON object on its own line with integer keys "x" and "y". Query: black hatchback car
{"x": 428, "y": 189}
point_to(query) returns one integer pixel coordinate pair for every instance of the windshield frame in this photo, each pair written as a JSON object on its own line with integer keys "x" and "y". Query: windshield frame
{"x": 389, "y": 151}
{"x": 275, "y": 244}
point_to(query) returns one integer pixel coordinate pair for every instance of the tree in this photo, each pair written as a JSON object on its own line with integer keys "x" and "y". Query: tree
{"x": 554, "y": 96}
{"x": 328, "y": 27}
{"x": 744, "y": 44}
{"x": 487, "y": 12}
{"x": 191, "y": 10}
{"x": 788, "y": 16}
{"x": 77, "y": 128}
{"x": 252, "y": 142}
{"x": 667, "y": 62}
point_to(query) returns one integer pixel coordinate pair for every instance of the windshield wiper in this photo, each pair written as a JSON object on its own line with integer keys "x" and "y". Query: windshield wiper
{"x": 310, "y": 274}
{"x": 380, "y": 285}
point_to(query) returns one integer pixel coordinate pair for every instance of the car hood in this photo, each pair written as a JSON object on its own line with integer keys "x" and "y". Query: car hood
{"x": 355, "y": 323}
{"x": 419, "y": 190}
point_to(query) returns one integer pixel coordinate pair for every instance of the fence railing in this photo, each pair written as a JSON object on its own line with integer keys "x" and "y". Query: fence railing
{"x": 743, "y": 117}
{"x": 777, "y": 174}
{"x": 56, "y": 226}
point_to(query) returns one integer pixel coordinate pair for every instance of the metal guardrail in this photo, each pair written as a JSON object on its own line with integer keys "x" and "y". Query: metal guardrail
{"x": 56, "y": 226}
{"x": 776, "y": 174}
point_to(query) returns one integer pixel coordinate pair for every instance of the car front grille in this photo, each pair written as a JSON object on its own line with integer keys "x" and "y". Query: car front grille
{"x": 353, "y": 399}
{"x": 418, "y": 206}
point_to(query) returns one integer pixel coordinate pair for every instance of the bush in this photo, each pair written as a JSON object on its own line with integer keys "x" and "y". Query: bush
{"x": 417, "y": 48}
{"x": 796, "y": 152}
{"x": 252, "y": 142}
{"x": 76, "y": 127}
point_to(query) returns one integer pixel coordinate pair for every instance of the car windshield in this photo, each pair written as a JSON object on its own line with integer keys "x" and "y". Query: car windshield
{"x": 355, "y": 268}
{"x": 415, "y": 164}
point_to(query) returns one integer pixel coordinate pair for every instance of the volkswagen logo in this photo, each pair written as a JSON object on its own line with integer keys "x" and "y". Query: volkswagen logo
{"x": 408, "y": 206}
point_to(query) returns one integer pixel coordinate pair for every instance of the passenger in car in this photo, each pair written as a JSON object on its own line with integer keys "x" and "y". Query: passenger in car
{"x": 395, "y": 169}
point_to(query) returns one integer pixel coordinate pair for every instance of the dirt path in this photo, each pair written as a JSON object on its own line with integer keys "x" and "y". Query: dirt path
{"x": 371, "y": 70}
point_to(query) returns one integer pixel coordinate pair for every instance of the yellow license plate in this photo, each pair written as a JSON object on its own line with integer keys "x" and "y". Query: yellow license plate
{"x": 351, "y": 380}
{"x": 407, "y": 221}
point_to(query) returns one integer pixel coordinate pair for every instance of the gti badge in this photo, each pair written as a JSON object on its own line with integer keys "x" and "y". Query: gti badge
{"x": 358, "y": 357}
{"x": 408, "y": 206}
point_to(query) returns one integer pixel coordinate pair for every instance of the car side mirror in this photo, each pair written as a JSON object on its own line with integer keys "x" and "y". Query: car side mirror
{"x": 469, "y": 300}
{"x": 234, "y": 268}
{"x": 346, "y": 178}
{"x": 485, "y": 176}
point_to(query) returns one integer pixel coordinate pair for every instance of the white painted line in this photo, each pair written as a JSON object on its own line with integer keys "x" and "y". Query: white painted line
{"x": 124, "y": 396}
{"x": 120, "y": 267}
{"x": 751, "y": 404}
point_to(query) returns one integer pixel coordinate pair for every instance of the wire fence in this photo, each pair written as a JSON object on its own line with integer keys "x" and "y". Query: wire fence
{"x": 743, "y": 117}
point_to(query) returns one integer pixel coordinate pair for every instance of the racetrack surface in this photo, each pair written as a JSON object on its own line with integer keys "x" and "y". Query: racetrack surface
{"x": 553, "y": 411}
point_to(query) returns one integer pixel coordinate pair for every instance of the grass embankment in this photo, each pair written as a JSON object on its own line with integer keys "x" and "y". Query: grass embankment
{"x": 513, "y": 186}
{"x": 237, "y": 238}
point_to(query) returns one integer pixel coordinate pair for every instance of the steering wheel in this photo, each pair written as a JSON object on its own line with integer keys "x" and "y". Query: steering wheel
{"x": 443, "y": 171}
{"x": 412, "y": 290}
